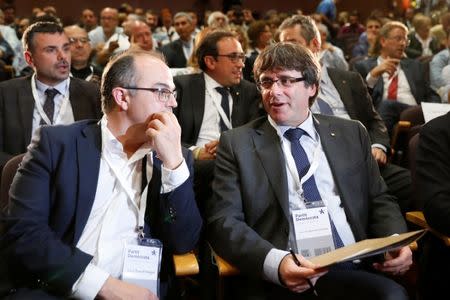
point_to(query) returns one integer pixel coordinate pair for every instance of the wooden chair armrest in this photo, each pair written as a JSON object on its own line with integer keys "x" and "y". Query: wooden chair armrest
{"x": 185, "y": 264}
{"x": 417, "y": 218}
{"x": 224, "y": 267}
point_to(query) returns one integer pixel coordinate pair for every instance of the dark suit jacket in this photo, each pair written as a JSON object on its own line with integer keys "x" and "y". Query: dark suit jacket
{"x": 249, "y": 212}
{"x": 433, "y": 172}
{"x": 16, "y": 112}
{"x": 51, "y": 199}
{"x": 414, "y": 50}
{"x": 173, "y": 52}
{"x": 358, "y": 103}
{"x": 415, "y": 73}
{"x": 191, "y": 104}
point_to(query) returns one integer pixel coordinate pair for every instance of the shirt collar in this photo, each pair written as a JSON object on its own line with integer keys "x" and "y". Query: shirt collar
{"x": 60, "y": 87}
{"x": 110, "y": 144}
{"x": 307, "y": 126}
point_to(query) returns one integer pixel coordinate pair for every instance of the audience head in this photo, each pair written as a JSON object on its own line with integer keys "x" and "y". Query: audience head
{"x": 182, "y": 22}
{"x": 47, "y": 51}
{"x": 109, "y": 20}
{"x": 392, "y": 40}
{"x": 151, "y": 18}
{"x": 140, "y": 35}
{"x": 301, "y": 30}
{"x": 88, "y": 19}
{"x": 166, "y": 17}
{"x": 80, "y": 48}
{"x": 259, "y": 34}
{"x": 422, "y": 25}
{"x": 220, "y": 56}
{"x": 9, "y": 13}
{"x": 135, "y": 85}
{"x": 288, "y": 77}
{"x": 217, "y": 20}
{"x": 373, "y": 25}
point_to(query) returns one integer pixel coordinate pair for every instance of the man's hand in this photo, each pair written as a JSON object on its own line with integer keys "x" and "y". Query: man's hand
{"x": 117, "y": 289}
{"x": 396, "y": 262}
{"x": 113, "y": 45}
{"x": 164, "y": 133}
{"x": 295, "y": 277}
{"x": 389, "y": 65}
{"x": 208, "y": 151}
{"x": 379, "y": 156}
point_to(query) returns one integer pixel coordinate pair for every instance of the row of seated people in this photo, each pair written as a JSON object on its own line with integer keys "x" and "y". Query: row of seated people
{"x": 221, "y": 58}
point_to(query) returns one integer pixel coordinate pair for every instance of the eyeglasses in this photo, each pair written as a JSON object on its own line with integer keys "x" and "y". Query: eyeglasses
{"x": 163, "y": 94}
{"x": 82, "y": 40}
{"x": 399, "y": 39}
{"x": 284, "y": 81}
{"x": 235, "y": 57}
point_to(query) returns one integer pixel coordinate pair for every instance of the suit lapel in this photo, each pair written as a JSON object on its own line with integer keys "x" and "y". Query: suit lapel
{"x": 268, "y": 148}
{"x": 26, "y": 106}
{"x": 235, "y": 92}
{"x": 88, "y": 155}
{"x": 344, "y": 90}
{"x": 409, "y": 74}
{"x": 197, "y": 94}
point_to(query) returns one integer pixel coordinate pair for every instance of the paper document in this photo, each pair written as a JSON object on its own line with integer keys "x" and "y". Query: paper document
{"x": 367, "y": 248}
{"x": 434, "y": 110}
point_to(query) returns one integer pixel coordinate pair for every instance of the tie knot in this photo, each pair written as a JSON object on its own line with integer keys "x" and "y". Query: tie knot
{"x": 51, "y": 93}
{"x": 294, "y": 134}
{"x": 222, "y": 90}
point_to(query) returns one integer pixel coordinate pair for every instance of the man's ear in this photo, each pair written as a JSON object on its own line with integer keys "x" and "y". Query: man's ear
{"x": 28, "y": 58}
{"x": 210, "y": 62}
{"x": 121, "y": 97}
{"x": 315, "y": 45}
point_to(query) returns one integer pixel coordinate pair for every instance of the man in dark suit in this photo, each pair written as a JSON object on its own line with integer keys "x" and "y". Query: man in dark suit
{"x": 260, "y": 182}
{"x": 395, "y": 82}
{"x": 88, "y": 191}
{"x": 344, "y": 94}
{"x": 203, "y": 112}
{"x": 178, "y": 52}
{"x": 433, "y": 174}
{"x": 24, "y": 105}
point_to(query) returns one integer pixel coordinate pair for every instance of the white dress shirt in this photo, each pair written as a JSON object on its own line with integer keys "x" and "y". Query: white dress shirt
{"x": 325, "y": 184}
{"x": 66, "y": 116}
{"x": 114, "y": 214}
{"x": 210, "y": 128}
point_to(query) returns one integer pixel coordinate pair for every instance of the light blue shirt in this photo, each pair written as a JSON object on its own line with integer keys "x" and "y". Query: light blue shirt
{"x": 439, "y": 61}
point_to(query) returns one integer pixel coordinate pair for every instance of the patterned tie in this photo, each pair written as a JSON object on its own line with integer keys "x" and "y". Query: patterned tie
{"x": 311, "y": 193}
{"x": 392, "y": 89}
{"x": 225, "y": 106}
{"x": 49, "y": 105}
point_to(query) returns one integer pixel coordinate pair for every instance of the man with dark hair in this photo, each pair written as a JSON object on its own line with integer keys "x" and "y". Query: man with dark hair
{"x": 290, "y": 164}
{"x": 179, "y": 51}
{"x": 47, "y": 97}
{"x": 215, "y": 100}
{"x": 92, "y": 194}
{"x": 344, "y": 94}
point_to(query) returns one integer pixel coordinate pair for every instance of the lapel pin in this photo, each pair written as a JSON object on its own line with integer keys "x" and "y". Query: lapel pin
{"x": 333, "y": 134}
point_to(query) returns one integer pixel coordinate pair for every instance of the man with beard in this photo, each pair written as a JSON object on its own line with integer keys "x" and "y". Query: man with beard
{"x": 47, "y": 97}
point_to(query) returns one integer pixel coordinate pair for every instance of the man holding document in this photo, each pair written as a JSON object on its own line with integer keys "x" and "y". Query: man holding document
{"x": 294, "y": 180}
{"x": 95, "y": 205}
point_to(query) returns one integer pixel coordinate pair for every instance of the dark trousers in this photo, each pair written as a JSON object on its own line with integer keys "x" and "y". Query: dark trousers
{"x": 390, "y": 111}
{"x": 398, "y": 180}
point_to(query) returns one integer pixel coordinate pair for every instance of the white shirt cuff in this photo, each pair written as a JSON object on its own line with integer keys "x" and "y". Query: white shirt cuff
{"x": 89, "y": 283}
{"x": 272, "y": 263}
{"x": 382, "y": 147}
{"x": 371, "y": 81}
{"x": 171, "y": 179}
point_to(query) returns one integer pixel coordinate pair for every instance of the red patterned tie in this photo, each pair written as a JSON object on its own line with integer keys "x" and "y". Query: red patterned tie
{"x": 392, "y": 90}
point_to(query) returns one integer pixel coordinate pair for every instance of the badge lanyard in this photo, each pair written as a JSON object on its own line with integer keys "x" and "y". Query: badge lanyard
{"x": 39, "y": 107}
{"x": 312, "y": 169}
{"x": 220, "y": 110}
{"x": 142, "y": 200}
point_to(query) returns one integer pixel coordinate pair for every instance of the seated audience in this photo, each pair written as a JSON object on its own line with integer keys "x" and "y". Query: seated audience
{"x": 263, "y": 178}
{"x": 368, "y": 38}
{"x": 330, "y": 55}
{"x": 421, "y": 44}
{"x": 48, "y": 97}
{"x": 88, "y": 193}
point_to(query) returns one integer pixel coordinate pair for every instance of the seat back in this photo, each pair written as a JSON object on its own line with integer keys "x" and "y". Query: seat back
{"x": 8, "y": 173}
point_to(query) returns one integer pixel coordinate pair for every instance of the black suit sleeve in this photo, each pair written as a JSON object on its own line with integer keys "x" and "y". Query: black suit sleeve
{"x": 433, "y": 172}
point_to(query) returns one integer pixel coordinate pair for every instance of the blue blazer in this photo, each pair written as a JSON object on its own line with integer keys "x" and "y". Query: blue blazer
{"x": 51, "y": 198}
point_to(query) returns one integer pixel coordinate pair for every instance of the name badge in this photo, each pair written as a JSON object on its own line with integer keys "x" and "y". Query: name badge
{"x": 313, "y": 231}
{"x": 142, "y": 263}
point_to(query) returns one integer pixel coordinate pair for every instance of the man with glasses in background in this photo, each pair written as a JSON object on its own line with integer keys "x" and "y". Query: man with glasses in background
{"x": 214, "y": 101}
{"x": 89, "y": 193}
{"x": 81, "y": 49}
{"x": 395, "y": 81}
{"x": 276, "y": 175}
